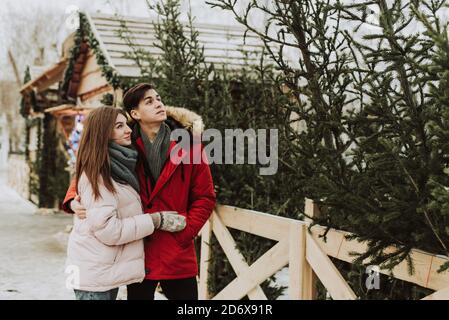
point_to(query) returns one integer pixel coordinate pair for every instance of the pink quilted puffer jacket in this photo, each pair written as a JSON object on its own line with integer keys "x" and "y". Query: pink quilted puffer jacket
{"x": 107, "y": 247}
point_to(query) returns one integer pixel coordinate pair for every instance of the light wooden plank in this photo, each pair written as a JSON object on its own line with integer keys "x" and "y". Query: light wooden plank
{"x": 311, "y": 210}
{"x": 425, "y": 264}
{"x": 309, "y": 278}
{"x": 128, "y": 71}
{"x": 203, "y": 34}
{"x": 118, "y": 97}
{"x": 333, "y": 243}
{"x": 100, "y": 41}
{"x": 94, "y": 97}
{"x": 258, "y": 223}
{"x": 134, "y": 71}
{"x": 126, "y": 62}
{"x": 217, "y": 55}
{"x": 149, "y": 28}
{"x": 437, "y": 280}
{"x": 228, "y": 63}
{"x": 236, "y": 259}
{"x": 206, "y": 233}
{"x": 101, "y": 19}
{"x": 297, "y": 259}
{"x": 267, "y": 265}
{"x": 90, "y": 64}
{"x": 327, "y": 272}
{"x": 119, "y": 51}
{"x": 113, "y": 36}
{"x": 422, "y": 265}
{"x": 119, "y": 46}
{"x": 134, "y": 25}
{"x": 91, "y": 82}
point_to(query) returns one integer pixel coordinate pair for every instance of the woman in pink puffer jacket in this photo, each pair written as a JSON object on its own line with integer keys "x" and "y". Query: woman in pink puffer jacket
{"x": 105, "y": 250}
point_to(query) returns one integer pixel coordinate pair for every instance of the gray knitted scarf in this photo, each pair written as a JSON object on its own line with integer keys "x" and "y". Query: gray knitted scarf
{"x": 156, "y": 151}
{"x": 123, "y": 165}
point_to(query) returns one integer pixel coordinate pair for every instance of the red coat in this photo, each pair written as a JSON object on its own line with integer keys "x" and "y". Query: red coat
{"x": 185, "y": 188}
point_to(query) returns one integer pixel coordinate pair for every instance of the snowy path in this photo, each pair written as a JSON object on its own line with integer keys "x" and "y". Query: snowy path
{"x": 31, "y": 257}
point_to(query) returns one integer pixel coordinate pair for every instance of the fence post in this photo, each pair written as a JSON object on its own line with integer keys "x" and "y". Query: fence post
{"x": 206, "y": 234}
{"x": 310, "y": 279}
{"x": 297, "y": 260}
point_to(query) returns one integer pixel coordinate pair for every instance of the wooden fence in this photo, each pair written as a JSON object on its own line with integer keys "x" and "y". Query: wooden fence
{"x": 305, "y": 253}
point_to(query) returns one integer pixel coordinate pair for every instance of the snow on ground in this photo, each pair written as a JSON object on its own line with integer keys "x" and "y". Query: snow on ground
{"x": 282, "y": 278}
{"x": 33, "y": 251}
{"x": 32, "y": 259}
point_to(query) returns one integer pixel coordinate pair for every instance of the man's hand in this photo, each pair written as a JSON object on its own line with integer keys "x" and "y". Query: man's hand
{"x": 77, "y": 208}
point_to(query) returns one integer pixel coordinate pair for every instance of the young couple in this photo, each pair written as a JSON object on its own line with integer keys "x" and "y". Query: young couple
{"x": 136, "y": 211}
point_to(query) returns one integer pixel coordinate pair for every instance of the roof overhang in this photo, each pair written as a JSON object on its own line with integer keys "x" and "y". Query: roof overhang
{"x": 68, "y": 110}
{"x": 45, "y": 80}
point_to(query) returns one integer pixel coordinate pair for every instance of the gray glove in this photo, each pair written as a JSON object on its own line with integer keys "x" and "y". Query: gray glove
{"x": 170, "y": 221}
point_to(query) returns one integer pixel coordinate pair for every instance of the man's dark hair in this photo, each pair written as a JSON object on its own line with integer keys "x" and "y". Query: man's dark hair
{"x": 134, "y": 95}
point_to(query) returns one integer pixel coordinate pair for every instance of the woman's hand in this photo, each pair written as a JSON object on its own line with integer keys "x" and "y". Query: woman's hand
{"x": 170, "y": 221}
{"x": 78, "y": 208}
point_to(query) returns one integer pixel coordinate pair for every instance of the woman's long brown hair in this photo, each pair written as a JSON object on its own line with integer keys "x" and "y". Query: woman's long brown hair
{"x": 93, "y": 154}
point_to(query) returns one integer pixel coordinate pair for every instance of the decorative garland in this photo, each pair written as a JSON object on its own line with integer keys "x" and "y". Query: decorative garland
{"x": 85, "y": 34}
{"x": 74, "y": 52}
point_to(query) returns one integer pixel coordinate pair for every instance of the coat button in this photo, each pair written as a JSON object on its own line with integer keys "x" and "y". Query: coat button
{"x": 149, "y": 206}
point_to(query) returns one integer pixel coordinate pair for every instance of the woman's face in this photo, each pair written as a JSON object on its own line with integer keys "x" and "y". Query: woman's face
{"x": 121, "y": 133}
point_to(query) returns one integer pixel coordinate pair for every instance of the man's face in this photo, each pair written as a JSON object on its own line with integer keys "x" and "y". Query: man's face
{"x": 150, "y": 109}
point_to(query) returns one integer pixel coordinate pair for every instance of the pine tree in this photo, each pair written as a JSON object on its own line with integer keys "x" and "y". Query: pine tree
{"x": 374, "y": 152}
{"x": 396, "y": 152}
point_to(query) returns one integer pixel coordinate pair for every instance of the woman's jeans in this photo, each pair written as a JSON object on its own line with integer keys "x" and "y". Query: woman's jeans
{"x": 90, "y": 295}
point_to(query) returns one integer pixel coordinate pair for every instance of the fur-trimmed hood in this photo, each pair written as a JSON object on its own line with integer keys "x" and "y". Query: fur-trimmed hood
{"x": 184, "y": 118}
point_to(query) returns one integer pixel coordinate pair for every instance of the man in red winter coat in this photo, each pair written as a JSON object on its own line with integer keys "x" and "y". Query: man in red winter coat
{"x": 165, "y": 185}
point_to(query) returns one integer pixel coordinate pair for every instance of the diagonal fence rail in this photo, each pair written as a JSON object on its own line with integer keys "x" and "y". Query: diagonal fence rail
{"x": 306, "y": 254}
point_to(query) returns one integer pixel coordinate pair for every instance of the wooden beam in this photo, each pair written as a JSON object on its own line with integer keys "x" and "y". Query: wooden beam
{"x": 327, "y": 272}
{"x": 100, "y": 41}
{"x": 206, "y": 233}
{"x": 91, "y": 77}
{"x": 258, "y": 223}
{"x": 97, "y": 92}
{"x": 267, "y": 265}
{"x": 236, "y": 259}
{"x": 297, "y": 261}
{"x": 310, "y": 284}
{"x": 118, "y": 97}
{"x": 426, "y": 264}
